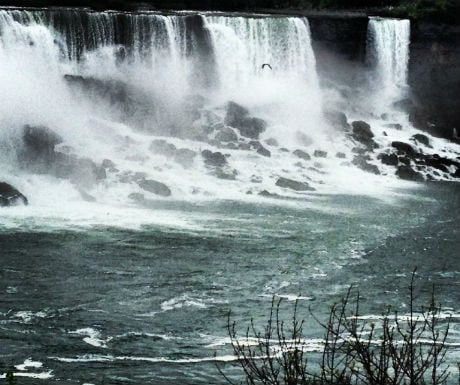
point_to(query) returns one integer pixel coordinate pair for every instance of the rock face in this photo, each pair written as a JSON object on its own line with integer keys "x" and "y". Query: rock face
{"x": 238, "y": 117}
{"x": 407, "y": 173}
{"x": 293, "y": 184}
{"x": 10, "y": 196}
{"x": 362, "y": 133}
{"x": 39, "y": 143}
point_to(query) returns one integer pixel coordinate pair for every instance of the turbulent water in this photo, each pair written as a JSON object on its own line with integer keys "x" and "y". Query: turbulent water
{"x": 136, "y": 242}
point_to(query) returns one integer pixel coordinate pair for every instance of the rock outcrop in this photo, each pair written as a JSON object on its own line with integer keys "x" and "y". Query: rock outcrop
{"x": 10, "y": 196}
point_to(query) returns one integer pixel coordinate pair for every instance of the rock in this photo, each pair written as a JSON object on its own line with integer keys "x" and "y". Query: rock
{"x": 215, "y": 159}
{"x": 39, "y": 153}
{"x": 437, "y": 162}
{"x": 423, "y": 139}
{"x": 404, "y": 160}
{"x": 320, "y": 154}
{"x": 154, "y": 187}
{"x": 340, "y": 155}
{"x": 404, "y": 148}
{"x": 362, "y": 163}
{"x": 336, "y": 118}
{"x": 10, "y": 196}
{"x": 362, "y": 131}
{"x": 407, "y": 173}
{"x": 138, "y": 197}
{"x": 265, "y": 193}
{"x": 302, "y": 154}
{"x": 226, "y": 134}
{"x": 263, "y": 151}
{"x": 388, "y": 159}
{"x": 162, "y": 147}
{"x": 293, "y": 184}
{"x": 238, "y": 117}
{"x": 107, "y": 163}
{"x": 272, "y": 142}
{"x": 184, "y": 157}
{"x": 225, "y": 174}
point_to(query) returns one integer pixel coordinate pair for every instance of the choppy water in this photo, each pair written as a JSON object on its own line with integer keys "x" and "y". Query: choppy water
{"x": 106, "y": 304}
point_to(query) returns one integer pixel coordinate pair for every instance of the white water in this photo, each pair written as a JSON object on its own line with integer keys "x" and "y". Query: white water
{"x": 164, "y": 62}
{"x": 388, "y": 51}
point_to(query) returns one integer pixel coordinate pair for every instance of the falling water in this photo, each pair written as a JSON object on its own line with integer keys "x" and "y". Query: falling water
{"x": 388, "y": 51}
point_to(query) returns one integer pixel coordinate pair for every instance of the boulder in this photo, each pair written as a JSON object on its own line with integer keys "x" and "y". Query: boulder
{"x": 39, "y": 147}
{"x": 272, "y": 142}
{"x": 293, "y": 184}
{"x": 404, "y": 148}
{"x": 320, "y": 154}
{"x": 420, "y": 138}
{"x": 226, "y": 134}
{"x": 10, "y": 196}
{"x": 362, "y": 163}
{"x": 162, "y": 147}
{"x": 154, "y": 187}
{"x": 388, "y": 159}
{"x": 340, "y": 155}
{"x": 214, "y": 159}
{"x": 407, "y": 173}
{"x": 302, "y": 154}
{"x": 362, "y": 132}
{"x": 184, "y": 157}
{"x": 238, "y": 117}
{"x": 263, "y": 151}
{"x": 336, "y": 118}
{"x": 396, "y": 126}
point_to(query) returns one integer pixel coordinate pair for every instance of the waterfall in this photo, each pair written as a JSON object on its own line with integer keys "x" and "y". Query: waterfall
{"x": 388, "y": 52}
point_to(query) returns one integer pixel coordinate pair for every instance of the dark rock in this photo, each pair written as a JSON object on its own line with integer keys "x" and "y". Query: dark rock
{"x": 154, "y": 187}
{"x": 225, "y": 174}
{"x": 336, "y": 118}
{"x": 263, "y": 151}
{"x": 272, "y": 142}
{"x": 362, "y": 131}
{"x": 284, "y": 149}
{"x": 423, "y": 139}
{"x": 238, "y": 117}
{"x": 362, "y": 163}
{"x": 407, "y": 173}
{"x": 404, "y": 160}
{"x": 226, "y": 134}
{"x": 389, "y": 159}
{"x": 293, "y": 184}
{"x": 340, "y": 155}
{"x": 162, "y": 147}
{"x": 39, "y": 147}
{"x": 265, "y": 193}
{"x": 302, "y": 154}
{"x": 184, "y": 157}
{"x": 215, "y": 159}
{"x": 404, "y": 148}
{"x": 358, "y": 150}
{"x": 438, "y": 163}
{"x": 320, "y": 154}
{"x": 138, "y": 197}
{"x": 456, "y": 174}
{"x": 107, "y": 163}
{"x": 10, "y": 196}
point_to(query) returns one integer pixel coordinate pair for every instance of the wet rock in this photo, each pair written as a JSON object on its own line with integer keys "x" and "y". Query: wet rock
{"x": 284, "y": 149}
{"x": 10, "y": 196}
{"x": 362, "y": 163}
{"x": 138, "y": 197}
{"x": 215, "y": 159}
{"x": 263, "y": 151}
{"x": 388, "y": 159}
{"x": 404, "y": 148}
{"x": 226, "y": 134}
{"x": 162, "y": 147}
{"x": 272, "y": 142}
{"x": 38, "y": 151}
{"x": 185, "y": 157}
{"x": 340, "y": 155}
{"x": 238, "y": 117}
{"x": 362, "y": 132}
{"x": 302, "y": 154}
{"x": 108, "y": 164}
{"x": 320, "y": 154}
{"x": 420, "y": 138}
{"x": 336, "y": 118}
{"x": 404, "y": 160}
{"x": 293, "y": 184}
{"x": 407, "y": 173}
{"x": 265, "y": 193}
{"x": 224, "y": 173}
{"x": 154, "y": 187}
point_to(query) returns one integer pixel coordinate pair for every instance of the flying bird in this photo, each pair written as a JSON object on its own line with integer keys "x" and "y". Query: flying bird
{"x": 266, "y": 64}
